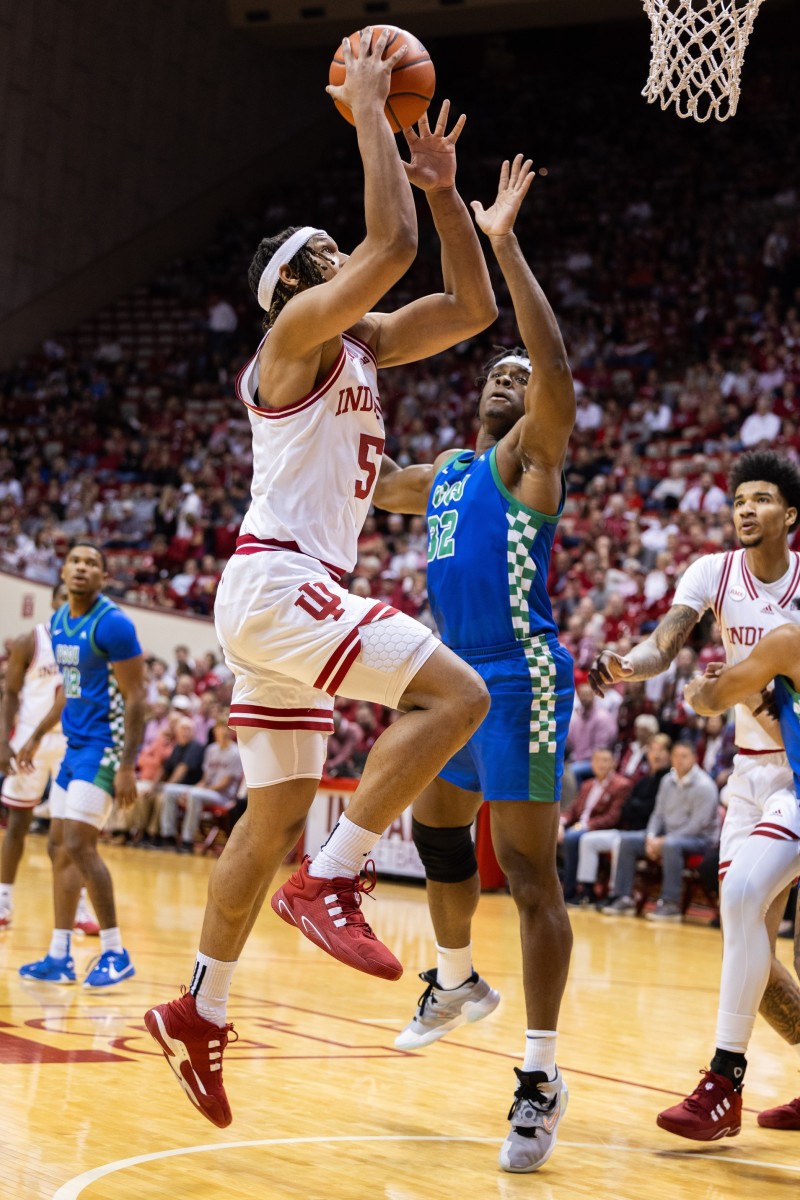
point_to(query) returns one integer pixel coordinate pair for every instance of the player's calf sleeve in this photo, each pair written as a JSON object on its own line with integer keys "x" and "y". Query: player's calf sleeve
{"x": 448, "y": 855}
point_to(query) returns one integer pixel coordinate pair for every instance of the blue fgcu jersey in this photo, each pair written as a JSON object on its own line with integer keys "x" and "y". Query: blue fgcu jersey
{"x": 488, "y": 560}
{"x": 85, "y": 648}
{"x": 788, "y": 703}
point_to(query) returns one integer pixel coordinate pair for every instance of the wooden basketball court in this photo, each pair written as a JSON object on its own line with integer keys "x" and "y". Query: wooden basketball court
{"x": 324, "y": 1107}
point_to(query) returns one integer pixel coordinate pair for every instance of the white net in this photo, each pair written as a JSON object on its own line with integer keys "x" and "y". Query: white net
{"x": 697, "y": 53}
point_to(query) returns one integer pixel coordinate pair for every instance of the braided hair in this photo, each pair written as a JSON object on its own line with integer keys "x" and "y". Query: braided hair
{"x": 302, "y": 264}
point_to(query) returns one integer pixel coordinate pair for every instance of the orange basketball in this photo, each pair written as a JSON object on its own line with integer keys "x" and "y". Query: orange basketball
{"x": 413, "y": 79}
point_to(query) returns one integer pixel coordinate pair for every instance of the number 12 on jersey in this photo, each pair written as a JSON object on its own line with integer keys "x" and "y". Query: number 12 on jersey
{"x": 441, "y": 535}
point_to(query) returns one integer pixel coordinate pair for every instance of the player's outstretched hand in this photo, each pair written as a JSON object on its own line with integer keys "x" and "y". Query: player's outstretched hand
{"x": 515, "y": 180}
{"x": 125, "y": 787}
{"x": 607, "y": 669}
{"x": 367, "y": 74}
{"x": 26, "y": 753}
{"x": 433, "y": 152}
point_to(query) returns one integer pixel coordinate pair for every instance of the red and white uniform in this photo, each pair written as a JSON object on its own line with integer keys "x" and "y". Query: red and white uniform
{"x": 292, "y": 636}
{"x": 39, "y": 689}
{"x": 746, "y": 609}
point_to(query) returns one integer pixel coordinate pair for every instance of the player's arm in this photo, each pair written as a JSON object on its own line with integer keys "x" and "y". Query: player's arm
{"x": 466, "y": 305}
{"x": 544, "y": 432}
{"x": 26, "y": 753}
{"x": 406, "y": 489}
{"x": 319, "y": 314}
{"x": 20, "y": 658}
{"x": 776, "y": 654}
{"x": 650, "y": 657}
{"x": 129, "y": 674}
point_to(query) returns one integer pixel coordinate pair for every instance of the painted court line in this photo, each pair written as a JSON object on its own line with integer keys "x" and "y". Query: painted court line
{"x": 73, "y": 1188}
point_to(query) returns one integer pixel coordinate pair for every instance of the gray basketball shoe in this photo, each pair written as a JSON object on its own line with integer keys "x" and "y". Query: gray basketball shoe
{"x": 440, "y": 1010}
{"x": 539, "y": 1104}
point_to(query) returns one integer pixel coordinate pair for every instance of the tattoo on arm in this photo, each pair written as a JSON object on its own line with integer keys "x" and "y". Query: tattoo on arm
{"x": 654, "y": 656}
{"x": 780, "y": 1004}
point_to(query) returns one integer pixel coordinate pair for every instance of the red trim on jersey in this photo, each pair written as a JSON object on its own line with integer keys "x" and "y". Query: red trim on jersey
{"x": 248, "y": 543}
{"x": 749, "y": 582}
{"x": 306, "y": 401}
{"x": 259, "y": 716}
{"x": 726, "y": 570}
{"x": 790, "y": 591}
{"x": 362, "y": 345}
{"x": 767, "y": 831}
{"x": 348, "y": 650}
{"x": 743, "y": 750}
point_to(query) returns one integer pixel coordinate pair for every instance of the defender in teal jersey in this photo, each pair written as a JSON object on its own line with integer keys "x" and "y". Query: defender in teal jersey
{"x": 492, "y": 516}
{"x": 101, "y": 707}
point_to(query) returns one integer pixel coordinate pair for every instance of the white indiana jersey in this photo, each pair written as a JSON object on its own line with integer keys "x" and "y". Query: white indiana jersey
{"x": 42, "y": 682}
{"x": 316, "y": 462}
{"x": 746, "y": 609}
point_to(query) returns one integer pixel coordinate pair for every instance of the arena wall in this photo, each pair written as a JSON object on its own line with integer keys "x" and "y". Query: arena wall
{"x": 24, "y": 603}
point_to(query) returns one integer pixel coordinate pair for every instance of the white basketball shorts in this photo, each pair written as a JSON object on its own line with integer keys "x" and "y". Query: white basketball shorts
{"x": 25, "y": 791}
{"x": 761, "y": 803}
{"x": 294, "y": 639}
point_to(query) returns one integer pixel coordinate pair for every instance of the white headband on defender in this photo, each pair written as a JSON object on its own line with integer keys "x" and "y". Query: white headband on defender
{"x": 519, "y": 359}
{"x": 284, "y": 254}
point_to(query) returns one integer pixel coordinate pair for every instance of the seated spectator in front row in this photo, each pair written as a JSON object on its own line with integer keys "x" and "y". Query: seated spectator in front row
{"x": 591, "y": 728}
{"x": 215, "y": 780}
{"x": 636, "y": 812}
{"x": 598, "y": 805}
{"x": 633, "y": 761}
{"x": 685, "y": 820}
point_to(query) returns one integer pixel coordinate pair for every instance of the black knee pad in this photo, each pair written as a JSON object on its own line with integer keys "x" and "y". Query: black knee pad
{"x": 448, "y": 855}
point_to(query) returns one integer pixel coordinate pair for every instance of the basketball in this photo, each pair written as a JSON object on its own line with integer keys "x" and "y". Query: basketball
{"x": 413, "y": 79}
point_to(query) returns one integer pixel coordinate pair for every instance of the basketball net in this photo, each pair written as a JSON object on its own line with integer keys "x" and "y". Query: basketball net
{"x": 697, "y": 53}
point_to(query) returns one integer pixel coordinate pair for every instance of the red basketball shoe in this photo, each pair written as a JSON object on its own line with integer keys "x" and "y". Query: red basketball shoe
{"x": 714, "y": 1110}
{"x": 193, "y": 1047}
{"x": 785, "y": 1116}
{"x": 328, "y": 913}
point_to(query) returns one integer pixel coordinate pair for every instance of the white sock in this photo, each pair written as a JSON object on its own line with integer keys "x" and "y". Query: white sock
{"x": 344, "y": 852}
{"x": 6, "y": 895}
{"x": 110, "y": 939}
{"x": 210, "y": 985}
{"x": 540, "y": 1051}
{"x": 734, "y": 1031}
{"x": 84, "y": 910}
{"x": 453, "y": 967}
{"x": 60, "y": 943}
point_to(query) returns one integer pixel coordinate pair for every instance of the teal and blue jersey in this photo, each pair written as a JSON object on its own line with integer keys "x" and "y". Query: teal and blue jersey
{"x": 85, "y": 649}
{"x": 488, "y": 561}
{"x": 787, "y": 701}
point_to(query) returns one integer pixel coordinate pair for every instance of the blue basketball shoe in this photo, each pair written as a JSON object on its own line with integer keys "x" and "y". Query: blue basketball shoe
{"x": 111, "y": 967}
{"x": 50, "y": 970}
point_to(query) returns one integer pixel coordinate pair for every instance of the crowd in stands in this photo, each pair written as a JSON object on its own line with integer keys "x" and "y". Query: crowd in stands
{"x": 671, "y": 255}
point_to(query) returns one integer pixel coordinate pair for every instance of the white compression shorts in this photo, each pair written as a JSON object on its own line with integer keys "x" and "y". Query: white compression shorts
{"x": 81, "y": 801}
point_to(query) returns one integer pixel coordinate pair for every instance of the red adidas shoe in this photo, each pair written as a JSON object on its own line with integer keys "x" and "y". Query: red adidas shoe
{"x": 714, "y": 1110}
{"x": 785, "y": 1116}
{"x": 193, "y": 1047}
{"x": 328, "y": 912}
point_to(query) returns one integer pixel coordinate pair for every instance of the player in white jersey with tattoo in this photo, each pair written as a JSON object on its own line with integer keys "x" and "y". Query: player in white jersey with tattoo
{"x": 751, "y": 591}
{"x": 292, "y": 635}
{"x": 32, "y": 681}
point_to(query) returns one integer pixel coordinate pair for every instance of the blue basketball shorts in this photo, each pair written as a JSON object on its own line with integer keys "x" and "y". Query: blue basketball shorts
{"x": 91, "y": 764}
{"x": 518, "y": 751}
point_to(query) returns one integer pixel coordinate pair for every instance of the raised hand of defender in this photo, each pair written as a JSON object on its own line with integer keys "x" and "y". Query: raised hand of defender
{"x": 367, "y": 74}
{"x": 515, "y": 179}
{"x": 433, "y": 152}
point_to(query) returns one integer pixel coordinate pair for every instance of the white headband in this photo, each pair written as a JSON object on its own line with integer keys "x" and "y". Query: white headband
{"x": 519, "y": 359}
{"x": 284, "y": 254}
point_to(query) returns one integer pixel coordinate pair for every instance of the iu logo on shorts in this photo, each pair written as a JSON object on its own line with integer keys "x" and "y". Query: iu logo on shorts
{"x": 319, "y": 601}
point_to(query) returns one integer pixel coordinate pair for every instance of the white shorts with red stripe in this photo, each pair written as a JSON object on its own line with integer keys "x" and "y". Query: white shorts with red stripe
{"x": 761, "y": 802}
{"x": 294, "y": 639}
{"x": 25, "y": 791}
